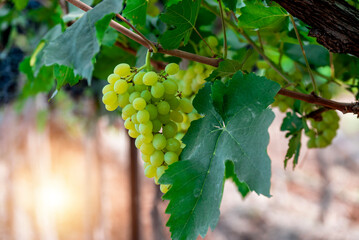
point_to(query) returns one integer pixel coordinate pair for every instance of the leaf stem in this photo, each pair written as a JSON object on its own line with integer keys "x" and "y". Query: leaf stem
{"x": 303, "y": 52}
{"x": 224, "y": 30}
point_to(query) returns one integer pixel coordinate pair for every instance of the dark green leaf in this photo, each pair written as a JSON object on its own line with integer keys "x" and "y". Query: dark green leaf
{"x": 317, "y": 55}
{"x": 231, "y": 4}
{"x": 171, "y": 2}
{"x": 20, "y": 4}
{"x": 241, "y": 186}
{"x": 136, "y": 11}
{"x": 64, "y": 75}
{"x": 259, "y": 16}
{"x": 226, "y": 68}
{"x": 78, "y": 45}
{"x": 182, "y": 17}
{"x": 240, "y": 135}
{"x": 294, "y": 146}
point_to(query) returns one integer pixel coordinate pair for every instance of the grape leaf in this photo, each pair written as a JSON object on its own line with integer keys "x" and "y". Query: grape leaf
{"x": 172, "y": 2}
{"x": 136, "y": 11}
{"x": 226, "y": 68}
{"x": 64, "y": 75}
{"x": 317, "y": 55}
{"x": 239, "y": 134}
{"x": 230, "y": 174}
{"x": 259, "y": 16}
{"x": 77, "y": 46}
{"x": 20, "y": 4}
{"x": 294, "y": 125}
{"x": 183, "y": 17}
{"x": 231, "y": 4}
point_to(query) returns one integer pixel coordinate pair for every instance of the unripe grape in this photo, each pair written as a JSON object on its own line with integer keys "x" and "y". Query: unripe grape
{"x": 321, "y": 142}
{"x": 170, "y": 157}
{"x": 152, "y": 110}
{"x": 157, "y": 90}
{"x": 310, "y": 134}
{"x": 150, "y": 78}
{"x": 138, "y": 142}
{"x": 146, "y": 128}
{"x": 147, "y": 138}
{"x": 138, "y": 79}
{"x": 112, "y": 78}
{"x": 169, "y": 130}
{"x": 107, "y": 88}
{"x": 157, "y": 158}
{"x": 123, "y": 99}
{"x": 173, "y": 144}
{"x": 160, "y": 171}
{"x": 283, "y": 106}
{"x": 140, "y": 88}
{"x": 164, "y": 119}
{"x": 129, "y": 124}
{"x": 109, "y": 98}
{"x": 120, "y": 86}
{"x": 150, "y": 171}
{"x": 147, "y": 149}
{"x": 146, "y": 158}
{"x": 186, "y": 105}
{"x": 133, "y": 133}
{"x": 131, "y": 89}
{"x": 134, "y": 118}
{"x": 111, "y": 108}
{"x": 170, "y": 86}
{"x": 143, "y": 116}
{"x": 123, "y": 69}
{"x": 159, "y": 142}
{"x": 329, "y": 134}
{"x": 176, "y": 116}
{"x": 163, "y": 108}
{"x": 128, "y": 111}
{"x": 139, "y": 103}
{"x": 164, "y": 188}
{"x": 321, "y": 126}
{"x": 198, "y": 68}
{"x": 212, "y": 41}
{"x": 172, "y": 68}
{"x": 145, "y": 94}
{"x": 157, "y": 125}
{"x": 174, "y": 103}
{"x": 146, "y": 164}
{"x": 133, "y": 96}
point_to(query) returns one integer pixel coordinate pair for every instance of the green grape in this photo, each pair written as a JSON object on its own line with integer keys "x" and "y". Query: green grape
{"x": 111, "y": 108}
{"x": 139, "y": 103}
{"x": 176, "y": 116}
{"x": 150, "y": 171}
{"x": 321, "y": 142}
{"x": 131, "y": 89}
{"x": 143, "y": 116}
{"x": 170, "y": 86}
{"x": 172, "y": 68}
{"x": 112, "y": 78}
{"x": 329, "y": 134}
{"x": 128, "y": 111}
{"x": 157, "y": 90}
{"x": 283, "y": 106}
{"x": 138, "y": 142}
{"x": 137, "y": 127}
{"x": 169, "y": 130}
{"x": 123, "y": 99}
{"x": 133, "y": 133}
{"x": 164, "y": 119}
{"x": 107, "y": 88}
{"x": 310, "y": 134}
{"x": 157, "y": 158}
{"x": 173, "y": 144}
{"x": 123, "y": 69}
{"x": 311, "y": 143}
{"x": 152, "y": 110}
{"x": 163, "y": 108}
{"x": 186, "y": 105}
{"x": 120, "y": 86}
{"x": 150, "y": 78}
{"x": 198, "y": 68}
{"x": 140, "y": 88}
{"x": 160, "y": 171}
{"x": 129, "y": 124}
{"x": 147, "y": 148}
{"x": 146, "y": 158}
{"x": 174, "y": 103}
{"x": 212, "y": 41}
{"x": 146, "y": 128}
{"x": 109, "y": 98}
{"x": 145, "y": 94}
{"x": 138, "y": 79}
{"x": 164, "y": 188}
{"x": 159, "y": 142}
{"x": 170, "y": 157}
{"x": 321, "y": 126}
{"x": 146, "y": 164}
{"x": 134, "y": 118}
{"x": 147, "y": 138}
{"x": 133, "y": 96}
{"x": 157, "y": 125}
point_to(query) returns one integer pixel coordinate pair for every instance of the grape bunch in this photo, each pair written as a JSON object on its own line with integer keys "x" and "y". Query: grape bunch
{"x": 283, "y": 103}
{"x": 323, "y": 132}
{"x": 151, "y": 108}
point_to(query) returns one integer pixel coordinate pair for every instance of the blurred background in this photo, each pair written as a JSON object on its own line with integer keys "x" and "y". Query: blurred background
{"x": 69, "y": 172}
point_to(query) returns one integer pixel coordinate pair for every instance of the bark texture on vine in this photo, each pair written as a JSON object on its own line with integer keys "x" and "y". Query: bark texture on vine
{"x": 334, "y": 23}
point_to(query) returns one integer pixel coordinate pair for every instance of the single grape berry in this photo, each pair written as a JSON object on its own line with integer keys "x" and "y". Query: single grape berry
{"x": 172, "y": 68}
{"x": 150, "y": 78}
{"x": 123, "y": 70}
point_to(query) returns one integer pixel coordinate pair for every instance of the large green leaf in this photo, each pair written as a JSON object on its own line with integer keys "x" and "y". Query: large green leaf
{"x": 317, "y": 55}
{"x": 226, "y": 68}
{"x": 136, "y": 11}
{"x": 259, "y": 16}
{"x": 78, "y": 45}
{"x": 239, "y": 134}
{"x": 182, "y": 17}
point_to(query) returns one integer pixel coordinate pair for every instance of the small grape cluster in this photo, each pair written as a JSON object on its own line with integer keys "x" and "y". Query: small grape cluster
{"x": 323, "y": 132}
{"x": 151, "y": 108}
{"x": 283, "y": 103}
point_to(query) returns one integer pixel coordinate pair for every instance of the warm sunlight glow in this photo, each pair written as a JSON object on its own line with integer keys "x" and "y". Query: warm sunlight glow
{"x": 53, "y": 197}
